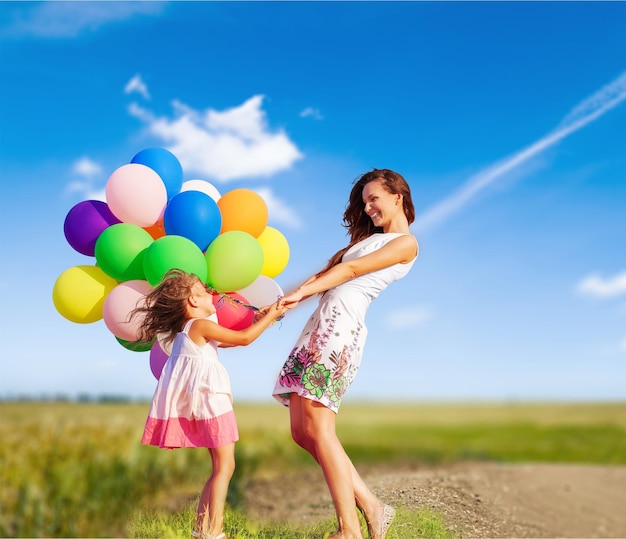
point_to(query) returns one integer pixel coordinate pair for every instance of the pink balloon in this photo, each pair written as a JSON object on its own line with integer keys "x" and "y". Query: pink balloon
{"x": 118, "y": 305}
{"x": 136, "y": 194}
{"x": 158, "y": 358}
{"x": 232, "y": 315}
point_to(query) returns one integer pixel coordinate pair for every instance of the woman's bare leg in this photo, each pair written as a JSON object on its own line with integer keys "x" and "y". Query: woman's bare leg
{"x": 365, "y": 499}
{"x": 313, "y": 428}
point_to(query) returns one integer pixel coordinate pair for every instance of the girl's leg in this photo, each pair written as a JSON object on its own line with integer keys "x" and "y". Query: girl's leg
{"x": 365, "y": 499}
{"x": 210, "y": 514}
{"x": 313, "y": 428}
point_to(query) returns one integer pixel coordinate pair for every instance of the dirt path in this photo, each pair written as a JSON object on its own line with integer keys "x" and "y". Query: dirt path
{"x": 476, "y": 499}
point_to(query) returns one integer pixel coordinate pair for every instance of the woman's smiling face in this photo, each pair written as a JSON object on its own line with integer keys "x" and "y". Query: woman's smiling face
{"x": 380, "y": 205}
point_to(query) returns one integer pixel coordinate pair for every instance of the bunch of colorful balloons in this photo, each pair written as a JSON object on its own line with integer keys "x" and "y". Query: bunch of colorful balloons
{"x": 152, "y": 222}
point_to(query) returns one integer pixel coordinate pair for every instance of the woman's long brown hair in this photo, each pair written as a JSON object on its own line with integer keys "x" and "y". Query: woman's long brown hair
{"x": 357, "y": 222}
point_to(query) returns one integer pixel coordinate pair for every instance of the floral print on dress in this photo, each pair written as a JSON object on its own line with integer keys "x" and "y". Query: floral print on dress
{"x": 322, "y": 379}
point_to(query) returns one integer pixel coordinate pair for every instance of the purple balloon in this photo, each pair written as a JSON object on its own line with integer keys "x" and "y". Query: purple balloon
{"x": 158, "y": 358}
{"x": 84, "y": 224}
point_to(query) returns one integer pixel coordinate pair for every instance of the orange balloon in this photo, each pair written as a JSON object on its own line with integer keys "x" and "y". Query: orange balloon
{"x": 157, "y": 230}
{"x": 243, "y": 209}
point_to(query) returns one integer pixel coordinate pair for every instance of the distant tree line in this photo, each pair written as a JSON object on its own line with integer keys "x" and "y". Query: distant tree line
{"x": 83, "y": 398}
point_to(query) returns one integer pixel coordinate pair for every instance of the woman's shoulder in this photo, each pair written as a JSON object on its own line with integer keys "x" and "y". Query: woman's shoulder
{"x": 404, "y": 242}
{"x": 405, "y": 238}
{"x": 384, "y": 241}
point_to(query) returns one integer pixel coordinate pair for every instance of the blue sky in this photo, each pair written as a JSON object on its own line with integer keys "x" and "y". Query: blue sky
{"x": 507, "y": 118}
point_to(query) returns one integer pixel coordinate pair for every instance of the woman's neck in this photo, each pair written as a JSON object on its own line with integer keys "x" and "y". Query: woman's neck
{"x": 397, "y": 226}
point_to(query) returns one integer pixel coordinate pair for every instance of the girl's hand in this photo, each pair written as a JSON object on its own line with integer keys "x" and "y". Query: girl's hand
{"x": 276, "y": 310}
{"x": 260, "y": 313}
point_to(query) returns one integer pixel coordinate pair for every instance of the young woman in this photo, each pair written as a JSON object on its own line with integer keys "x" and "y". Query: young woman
{"x": 327, "y": 355}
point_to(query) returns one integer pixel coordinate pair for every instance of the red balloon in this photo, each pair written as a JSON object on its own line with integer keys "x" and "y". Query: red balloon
{"x": 232, "y": 314}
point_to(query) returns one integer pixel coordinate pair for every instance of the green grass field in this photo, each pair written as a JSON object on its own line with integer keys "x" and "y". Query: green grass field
{"x": 78, "y": 470}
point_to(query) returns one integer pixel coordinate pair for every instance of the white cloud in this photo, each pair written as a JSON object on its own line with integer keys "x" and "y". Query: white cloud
{"x": 279, "y": 211}
{"x": 586, "y": 112}
{"x": 596, "y": 286}
{"x": 246, "y": 121}
{"x": 408, "y": 317}
{"x": 311, "y": 112}
{"x": 136, "y": 84}
{"x": 86, "y": 190}
{"x": 139, "y": 112}
{"x": 86, "y": 173}
{"x": 97, "y": 194}
{"x": 69, "y": 19}
{"x": 86, "y": 168}
{"x": 222, "y": 145}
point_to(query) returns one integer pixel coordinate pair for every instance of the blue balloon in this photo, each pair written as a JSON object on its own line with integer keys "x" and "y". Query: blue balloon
{"x": 195, "y": 216}
{"x": 166, "y": 165}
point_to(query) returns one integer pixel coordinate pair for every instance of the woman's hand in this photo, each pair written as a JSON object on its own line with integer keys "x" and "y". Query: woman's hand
{"x": 291, "y": 300}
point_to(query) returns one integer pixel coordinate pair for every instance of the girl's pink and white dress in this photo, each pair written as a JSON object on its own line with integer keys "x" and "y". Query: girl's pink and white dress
{"x": 192, "y": 404}
{"x": 327, "y": 356}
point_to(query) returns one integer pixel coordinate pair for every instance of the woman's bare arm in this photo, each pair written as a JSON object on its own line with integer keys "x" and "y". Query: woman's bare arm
{"x": 398, "y": 251}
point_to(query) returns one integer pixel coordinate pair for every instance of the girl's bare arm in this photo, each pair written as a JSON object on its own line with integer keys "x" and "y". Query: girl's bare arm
{"x": 203, "y": 331}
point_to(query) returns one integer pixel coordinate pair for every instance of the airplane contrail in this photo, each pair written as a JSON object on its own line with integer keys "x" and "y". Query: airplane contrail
{"x": 584, "y": 113}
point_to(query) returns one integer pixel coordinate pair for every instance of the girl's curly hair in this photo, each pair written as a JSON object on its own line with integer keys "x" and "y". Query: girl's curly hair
{"x": 164, "y": 309}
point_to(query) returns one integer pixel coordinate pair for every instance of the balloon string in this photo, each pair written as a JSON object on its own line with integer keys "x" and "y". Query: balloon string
{"x": 280, "y": 318}
{"x": 235, "y": 301}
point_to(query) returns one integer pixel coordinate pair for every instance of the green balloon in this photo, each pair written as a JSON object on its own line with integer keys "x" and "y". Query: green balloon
{"x": 169, "y": 252}
{"x": 135, "y": 346}
{"x": 234, "y": 260}
{"x": 120, "y": 249}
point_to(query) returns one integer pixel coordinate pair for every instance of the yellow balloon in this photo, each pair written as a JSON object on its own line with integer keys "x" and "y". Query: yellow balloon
{"x": 275, "y": 251}
{"x": 244, "y": 210}
{"x": 79, "y": 293}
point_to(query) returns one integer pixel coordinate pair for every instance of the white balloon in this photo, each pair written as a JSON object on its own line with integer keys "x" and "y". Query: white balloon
{"x": 263, "y": 291}
{"x": 203, "y": 186}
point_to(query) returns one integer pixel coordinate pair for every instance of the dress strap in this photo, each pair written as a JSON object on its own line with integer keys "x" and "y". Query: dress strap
{"x": 187, "y": 326}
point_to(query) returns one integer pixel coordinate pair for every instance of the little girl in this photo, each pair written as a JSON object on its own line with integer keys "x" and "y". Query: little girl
{"x": 192, "y": 403}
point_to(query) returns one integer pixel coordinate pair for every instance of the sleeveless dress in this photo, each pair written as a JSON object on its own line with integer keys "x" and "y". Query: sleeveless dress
{"x": 192, "y": 404}
{"x": 326, "y": 357}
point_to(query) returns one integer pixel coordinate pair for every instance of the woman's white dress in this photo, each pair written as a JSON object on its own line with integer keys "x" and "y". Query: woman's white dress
{"x": 327, "y": 356}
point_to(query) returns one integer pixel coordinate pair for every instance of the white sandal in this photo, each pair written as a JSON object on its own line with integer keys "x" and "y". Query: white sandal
{"x": 389, "y": 513}
{"x": 387, "y": 518}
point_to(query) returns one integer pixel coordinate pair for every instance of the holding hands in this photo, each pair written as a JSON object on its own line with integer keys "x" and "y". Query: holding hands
{"x": 276, "y": 311}
{"x": 291, "y": 300}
